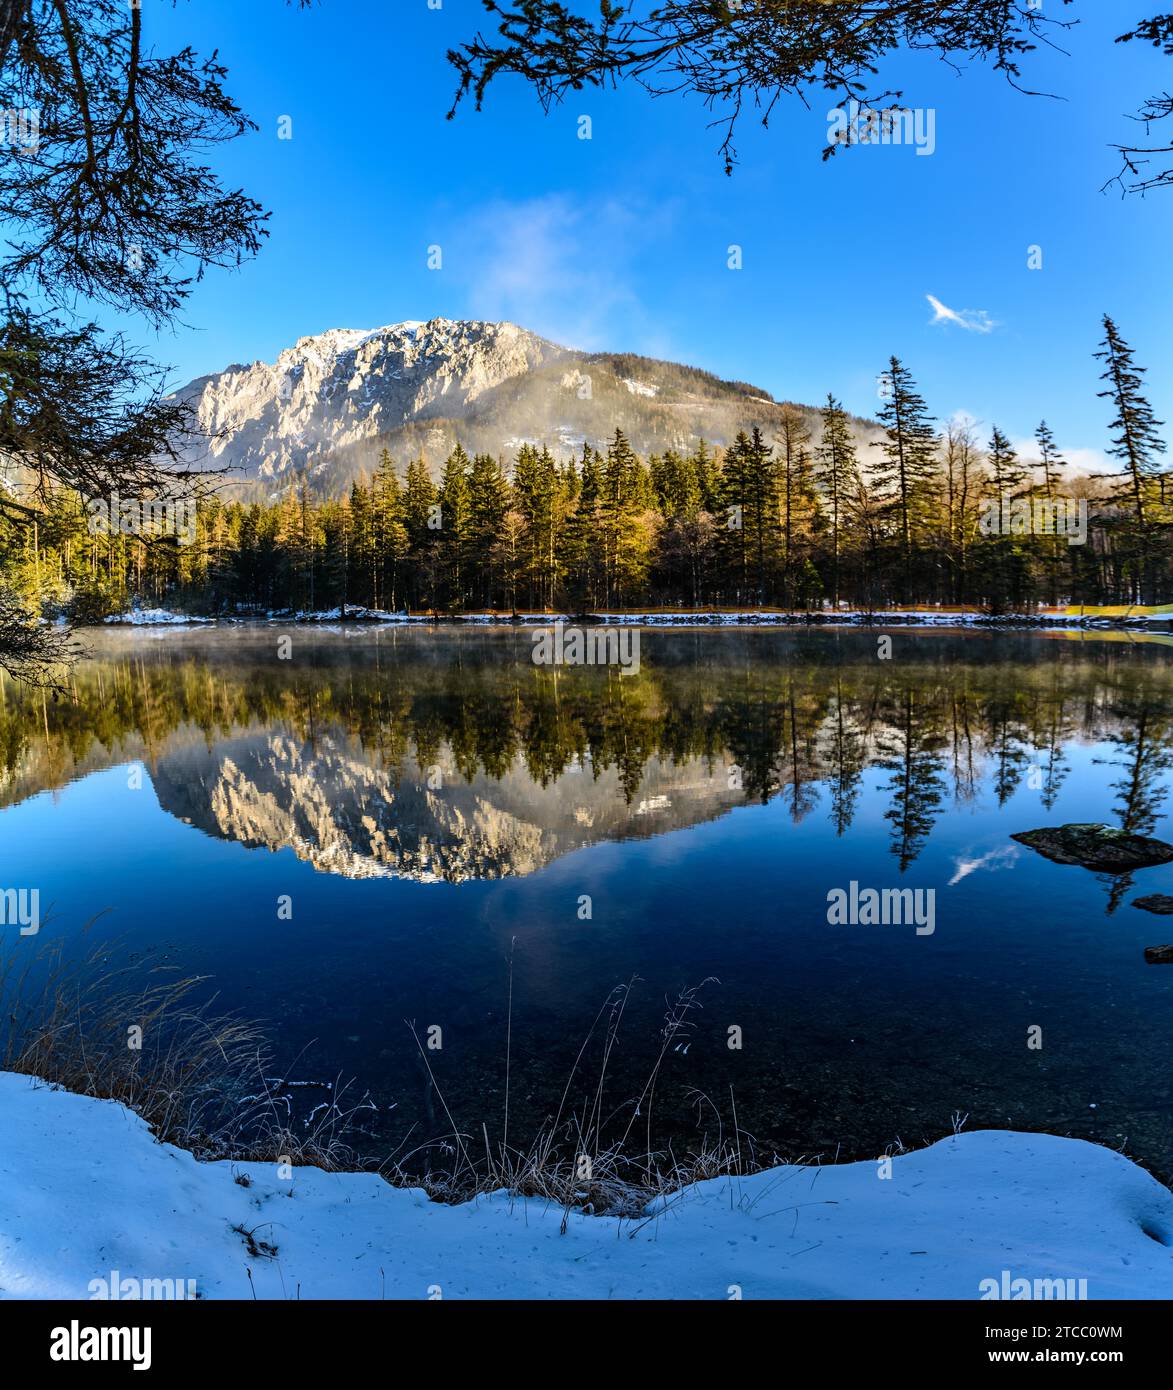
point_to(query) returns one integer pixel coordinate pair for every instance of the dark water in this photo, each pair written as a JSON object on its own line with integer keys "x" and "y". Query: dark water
{"x": 432, "y": 803}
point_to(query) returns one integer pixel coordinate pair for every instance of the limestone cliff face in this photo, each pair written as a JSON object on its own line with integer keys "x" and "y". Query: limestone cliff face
{"x": 347, "y": 815}
{"x": 328, "y": 405}
{"x": 343, "y": 387}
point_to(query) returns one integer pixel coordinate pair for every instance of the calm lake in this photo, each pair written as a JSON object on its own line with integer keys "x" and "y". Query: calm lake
{"x": 428, "y": 803}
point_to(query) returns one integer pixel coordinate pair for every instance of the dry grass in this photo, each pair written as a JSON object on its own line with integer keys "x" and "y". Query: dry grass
{"x": 92, "y": 1018}
{"x": 204, "y": 1081}
{"x": 591, "y": 1155}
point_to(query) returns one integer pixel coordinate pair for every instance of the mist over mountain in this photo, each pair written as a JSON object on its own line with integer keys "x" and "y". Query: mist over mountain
{"x": 329, "y": 404}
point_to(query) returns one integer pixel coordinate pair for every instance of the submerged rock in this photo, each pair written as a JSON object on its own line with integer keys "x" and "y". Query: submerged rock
{"x": 1159, "y": 955}
{"x": 1099, "y": 847}
{"x": 1156, "y": 902}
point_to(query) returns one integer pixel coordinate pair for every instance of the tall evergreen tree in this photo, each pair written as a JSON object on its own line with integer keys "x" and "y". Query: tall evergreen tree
{"x": 836, "y": 471}
{"x": 489, "y": 500}
{"x": 731, "y": 516}
{"x": 581, "y": 538}
{"x": 419, "y": 518}
{"x": 623, "y": 496}
{"x": 1052, "y": 462}
{"x": 537, "y": 488}
{"x": 453, "y": 553}
{"x": 1007, "y": 471}
{"x": 905, "y": 475}
{"x": 390, "y": 536}
{"x": 1137, "y": 442}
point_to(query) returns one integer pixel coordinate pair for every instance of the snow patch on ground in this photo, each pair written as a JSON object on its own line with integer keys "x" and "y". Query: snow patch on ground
{"x": 155, "y": 617}
{"x": 352, "y": 614}
{"x": 85, "y": 1191}
{"x": 146, "y": 617}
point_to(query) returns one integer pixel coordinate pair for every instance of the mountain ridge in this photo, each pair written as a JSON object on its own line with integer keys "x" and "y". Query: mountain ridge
{"x": 329, "y": 404}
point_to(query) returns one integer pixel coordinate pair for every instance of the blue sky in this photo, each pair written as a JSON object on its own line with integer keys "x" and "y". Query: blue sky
{"x": 621, "y": 242}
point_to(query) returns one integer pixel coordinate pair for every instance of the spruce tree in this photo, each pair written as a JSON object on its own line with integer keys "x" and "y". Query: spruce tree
{"x": 455, "y": 529}
{"x": 361, "y": 567}
{"x": 905, "y": 476}
{"x": 731, "y": 516}
{"x": 488, "y": 499}
{"x": 581, "y": 540}
{"x": 798, "y": 506}
{"x": 419, "y": 498}
{"x": 761, "y": 509}
{"x": 1007, "y": 472}
{"x": 390, "y": 533}
{"x": 1052, "y": 461}
{"x": 701, "y": 463}
{"x": 1007, "y": 563}
{"x": 1137, "y": 442}
{"x": 836, "y": 470}
{"x": 538, "y": 490}
{"x": 622, "y": 496}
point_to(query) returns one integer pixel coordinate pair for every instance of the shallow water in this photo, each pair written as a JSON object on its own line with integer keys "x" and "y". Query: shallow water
{"x": 433, "y": 805}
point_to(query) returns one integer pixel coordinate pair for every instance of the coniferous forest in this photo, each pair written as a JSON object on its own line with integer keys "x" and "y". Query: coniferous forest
{"x": 807, "y": 519}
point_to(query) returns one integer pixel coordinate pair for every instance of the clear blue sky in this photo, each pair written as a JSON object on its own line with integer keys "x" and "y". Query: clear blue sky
{"x": 621, "y": 242}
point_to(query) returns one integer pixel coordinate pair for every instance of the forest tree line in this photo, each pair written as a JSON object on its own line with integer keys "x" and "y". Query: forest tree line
{"x": 806, "y": 519}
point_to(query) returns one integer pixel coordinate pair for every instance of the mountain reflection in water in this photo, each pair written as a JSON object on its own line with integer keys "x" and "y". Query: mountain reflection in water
{"x": 452, "y": 756}
{"x": 450, "y": 802}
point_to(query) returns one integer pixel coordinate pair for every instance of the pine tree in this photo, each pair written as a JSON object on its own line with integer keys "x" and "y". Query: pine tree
{"x": 333, "y": 523}
{"x": 361, "y": 586}
{"x": 675, "y": 487}
{"x": 1007, "y": 565}
{"x": 623, "y": 493}
{"x": 581, "y": 539}
{"x": 1050, "y": 458}
{"x": 1007, "y": 472}
{"x": 905, "y": 477}
{"x": 706, "y": 481}
{"x": 1137, "y": 442}
{"x": 837, "y": 470}
{"x": 419, "y": 518}
{"x": 1052, "y": 461}
{"x": 489, "y": 501}
{"x": 798, "y": 508}
{"x": 538, "y": 491}
{"x": 453, "y": 554}
{"x": 761, "y": 508}
{"x": 731, "y": 509}
{"x": 390, "y": 537}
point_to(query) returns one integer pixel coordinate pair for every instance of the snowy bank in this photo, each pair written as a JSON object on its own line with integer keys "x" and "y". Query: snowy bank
{"x": 86, "y": 1194}
{"x": 162, "y": 617}
{"x": 154, "y": 617}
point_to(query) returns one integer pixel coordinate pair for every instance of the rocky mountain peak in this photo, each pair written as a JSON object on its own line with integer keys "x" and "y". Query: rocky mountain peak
{"x": 330, "y": 403}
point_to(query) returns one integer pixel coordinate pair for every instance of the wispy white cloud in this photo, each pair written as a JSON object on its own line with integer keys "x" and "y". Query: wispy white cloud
{"x": 993, "y": 859}
{"x": 558, "y": 267}
{"x": 972, "y": 320}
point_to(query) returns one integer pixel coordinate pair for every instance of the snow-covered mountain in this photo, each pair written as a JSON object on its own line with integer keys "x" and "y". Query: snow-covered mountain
{"x": 329, "y": 404}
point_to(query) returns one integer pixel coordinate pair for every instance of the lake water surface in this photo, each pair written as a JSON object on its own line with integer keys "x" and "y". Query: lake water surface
{"x": 431, "y": 804}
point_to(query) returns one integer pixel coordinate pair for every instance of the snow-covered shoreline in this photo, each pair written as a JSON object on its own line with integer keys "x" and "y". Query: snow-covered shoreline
{"x": 161, "y": 617}
{"x": 88, "y": 1199}
{"x": 154, "y": 617}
